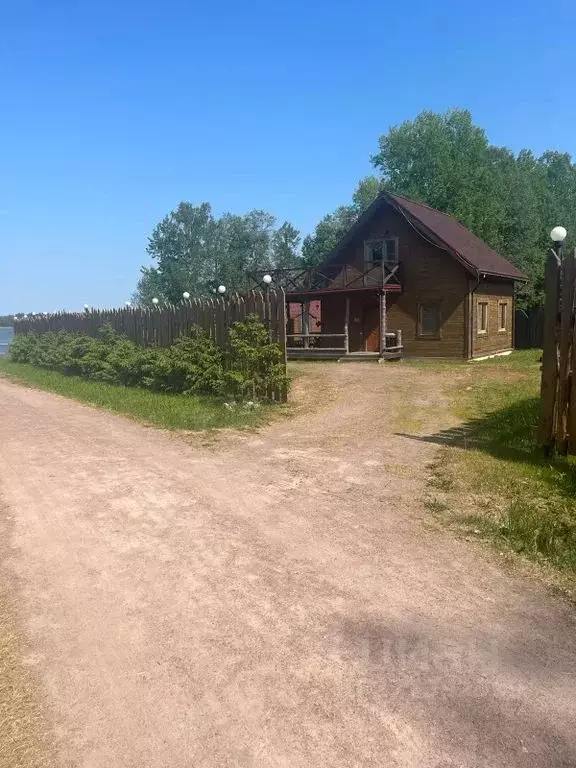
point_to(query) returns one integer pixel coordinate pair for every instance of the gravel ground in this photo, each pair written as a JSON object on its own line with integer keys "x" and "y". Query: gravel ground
{"x": 272, "y": 598}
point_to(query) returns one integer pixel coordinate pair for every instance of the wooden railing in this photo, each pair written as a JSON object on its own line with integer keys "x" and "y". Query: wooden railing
{"x": 334, "y": 277}
{"x": 392, "y": 342}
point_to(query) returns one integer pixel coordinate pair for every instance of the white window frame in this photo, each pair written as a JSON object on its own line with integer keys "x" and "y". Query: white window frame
{"x": 369, "y": 244}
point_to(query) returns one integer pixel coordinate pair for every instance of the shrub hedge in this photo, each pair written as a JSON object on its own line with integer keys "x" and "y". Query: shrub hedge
{"x": 251, "y": 366}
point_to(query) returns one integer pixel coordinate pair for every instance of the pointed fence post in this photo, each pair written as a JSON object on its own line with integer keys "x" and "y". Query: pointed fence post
{"x": 565, "y": 356}
{"x": 549, "y": 383}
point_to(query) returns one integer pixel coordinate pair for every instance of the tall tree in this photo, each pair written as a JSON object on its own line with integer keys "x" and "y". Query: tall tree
{"x": 285, "y": 246}
{"x": 195, "y": 252}
{"x": 443, "y": 161}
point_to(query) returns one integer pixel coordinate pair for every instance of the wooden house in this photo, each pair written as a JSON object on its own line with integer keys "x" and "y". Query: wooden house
{"x": 405, "y": 280}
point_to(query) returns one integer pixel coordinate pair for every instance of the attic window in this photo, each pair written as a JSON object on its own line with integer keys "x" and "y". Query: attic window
{"x": 380, "y": 250}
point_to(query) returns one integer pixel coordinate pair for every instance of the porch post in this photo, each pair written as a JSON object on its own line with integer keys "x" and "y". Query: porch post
{"x": 346, "y": 325}
{"x": 306, "y": 322}
{"x": 382, "y": 322}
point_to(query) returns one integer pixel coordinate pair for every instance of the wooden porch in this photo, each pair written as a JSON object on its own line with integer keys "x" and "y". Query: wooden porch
{"x": 383, "y": 344}
{"x": 361, "y": 289}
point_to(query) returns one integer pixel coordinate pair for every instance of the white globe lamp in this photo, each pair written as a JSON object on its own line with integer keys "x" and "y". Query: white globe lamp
{"x": 221, "y": 289}
{"x": 267, "y": 279}
{"x": 558, "y": 234}
{"x": 186, "y": 295}
{"x": 155, "y": 301}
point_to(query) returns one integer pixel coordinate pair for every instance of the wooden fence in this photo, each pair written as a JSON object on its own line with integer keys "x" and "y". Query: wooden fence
{"x": 161, "y": 326}
{"x": 529, "y": 328}
{"x": 557, "y": 432}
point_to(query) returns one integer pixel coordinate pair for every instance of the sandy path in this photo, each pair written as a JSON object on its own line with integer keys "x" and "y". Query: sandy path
{"x": 275, "y": 600}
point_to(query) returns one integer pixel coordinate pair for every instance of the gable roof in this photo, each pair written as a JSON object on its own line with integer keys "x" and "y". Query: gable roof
{"x": 445, "y": 232}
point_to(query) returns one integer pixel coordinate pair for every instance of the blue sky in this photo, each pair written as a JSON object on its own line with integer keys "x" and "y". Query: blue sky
{"x": 113, "y": 112}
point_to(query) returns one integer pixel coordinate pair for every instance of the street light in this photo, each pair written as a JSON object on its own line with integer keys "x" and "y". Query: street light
{"x": 221, "y": 289}
{"x": 86, "y": 307}
{"x": 186, "y": 295}
{"x": 155, "y": 301}
{"x": 558, "y": 234}
{"x": 128, "y": 303}
{"x": 267, "y": 279}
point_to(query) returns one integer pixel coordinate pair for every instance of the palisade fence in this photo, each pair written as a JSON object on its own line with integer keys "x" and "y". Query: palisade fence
{"x": 161, "y": 326}
{"x": 529, "y": 328}
{"x": 557, "y": 431}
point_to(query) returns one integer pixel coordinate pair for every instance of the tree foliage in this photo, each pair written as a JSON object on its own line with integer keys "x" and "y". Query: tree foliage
{"x": 195, "y": 251}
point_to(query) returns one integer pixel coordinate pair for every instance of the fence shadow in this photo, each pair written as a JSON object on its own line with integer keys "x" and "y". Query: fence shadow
{"x": 509, "y": 434}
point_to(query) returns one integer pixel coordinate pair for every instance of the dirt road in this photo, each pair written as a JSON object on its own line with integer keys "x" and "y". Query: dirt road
{"x": 275, "y": 599}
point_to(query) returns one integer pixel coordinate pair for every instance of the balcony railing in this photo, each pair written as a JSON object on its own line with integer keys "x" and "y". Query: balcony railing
{"x": 335, "y": 277}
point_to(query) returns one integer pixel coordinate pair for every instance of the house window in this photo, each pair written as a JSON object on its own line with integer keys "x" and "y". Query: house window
{"x": 482, "y": 317}
{"x": 383, "y": 249}
{"x": 503, "y": 315}
{"x": 429, "y": 319}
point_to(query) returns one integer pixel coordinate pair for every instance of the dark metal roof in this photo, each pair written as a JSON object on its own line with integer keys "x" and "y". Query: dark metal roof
{"x": 445, "y": 232}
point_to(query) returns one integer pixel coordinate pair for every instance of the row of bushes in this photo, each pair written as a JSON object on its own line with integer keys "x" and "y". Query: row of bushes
{"x": 251, "y": 365}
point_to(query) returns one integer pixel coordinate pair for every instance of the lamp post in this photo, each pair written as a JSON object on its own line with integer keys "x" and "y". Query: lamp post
{"x": 221, "y": 290}
{"x": 267, "y": 280}
{"x": 558, "y": 235}
{"x": 185, "y": 295}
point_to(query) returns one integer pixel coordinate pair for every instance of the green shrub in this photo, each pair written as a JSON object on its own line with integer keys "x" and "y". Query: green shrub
{"x": 113, "y": 358}
{"x": 252, "y": 367}
{"x": 22, "y": 347}
{"x": 194, "y": 364}
{"x": 255, "y": 364}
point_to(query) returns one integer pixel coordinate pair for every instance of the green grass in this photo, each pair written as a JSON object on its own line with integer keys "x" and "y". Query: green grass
{"x": 491, "y": 468}
{"x": 188, "y": 412}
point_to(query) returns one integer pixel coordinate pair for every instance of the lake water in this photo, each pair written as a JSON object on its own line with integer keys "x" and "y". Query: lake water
{"x": 6, "y": 336}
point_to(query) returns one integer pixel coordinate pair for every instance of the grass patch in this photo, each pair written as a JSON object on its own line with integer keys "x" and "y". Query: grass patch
{"x": 492, "y": 470}
{"x": 170, "y": 411}
{"x": 436, "y": 506}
